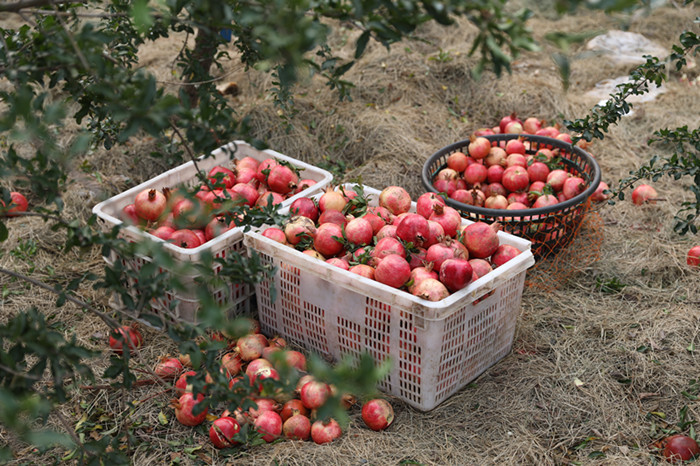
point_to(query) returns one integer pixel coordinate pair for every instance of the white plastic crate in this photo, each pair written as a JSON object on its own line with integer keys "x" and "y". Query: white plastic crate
{"x": 436, "y": 348}
{"x": 183, "y": 305}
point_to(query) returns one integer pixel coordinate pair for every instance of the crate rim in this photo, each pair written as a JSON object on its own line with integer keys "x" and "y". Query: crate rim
{"x": 523, "y": 214}
{"x": 99, "y": 209}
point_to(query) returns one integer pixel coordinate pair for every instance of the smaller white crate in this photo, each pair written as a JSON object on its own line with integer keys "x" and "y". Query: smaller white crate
{"x": 183, "y": 305}
{"x": 436, "y": 348}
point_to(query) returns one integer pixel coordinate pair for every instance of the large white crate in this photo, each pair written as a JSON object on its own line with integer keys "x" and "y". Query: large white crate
{"x": 183, "y": 304}
{"x": 436, "y": 348}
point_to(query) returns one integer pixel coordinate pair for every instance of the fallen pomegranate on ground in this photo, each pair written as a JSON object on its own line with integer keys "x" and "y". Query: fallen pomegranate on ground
{"x": 377, "y": 414}
{"x": 128, "y": 334}
{"x": 18, "y": 203}
{"x": 644, "y": 194}
{"x": 693, "y": 258}
{"x": 680, "y": 448}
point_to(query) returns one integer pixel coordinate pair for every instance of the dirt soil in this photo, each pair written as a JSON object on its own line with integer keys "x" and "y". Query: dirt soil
{"x": 595, "y": 373}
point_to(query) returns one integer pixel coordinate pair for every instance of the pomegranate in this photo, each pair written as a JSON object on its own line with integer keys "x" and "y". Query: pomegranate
{"x": 507, "y": 119}
{"x": 475, "y": 173}
{"x": 251, "y": 346}
{"x": 445, "y": 186}
{"x": 494, "y": 188}
{"x": 494, "y": 174}
{"x": 480, "y": 267}
{"x": 556, "y": 179}
{"x": 328, "y": 239}
{"x": 306, "y": 207}
{"x": 245, "y": 192}
{"x": 496, "y": 201}
{"x": 185, "y": 409}
{"x": 262, "y": 405}
{"x": 447, "y": 174}
{"x": 417, "y": 258}
{"x": 128, "y": 334}
{"x": 314, "y": 394}
{"x": 393, "y": 270}
{"x": 268, "y": 425}
{"x": 282, "y": 179}
{"x": 481, "y": 239}
{"x": 431, "y": 290}
{"x": 331, "y": 200}
{"x": 386, "y": 247}
{"x": 232, "y": 363}
{"x": 295, "y": 359}
{"x": 457, "y": 161}
{"x": 181, "y": 384}
{"x": 299, "y": 228}
{"x": 513, "y": 127}
{"x": 503, "y": 254}
{"x": 564, "y": 137}
{"x": 538, "y": 171}
{"x": 599, "y": 194}
{"x": 339, "y": 262}
{"x": 325, "y": 431}
{"x": 185, "y": 238}
{"x": 515, "y": 146}
{"x": 223, "y": 431}
{"x": 426, "y": 202}
{"x": 447, "y": 217}
{"x": 217, "y": 226}
{"x": 419, "y": 274}
{"x": 333, "y": 216}
{"x": 359, "y": 232}
{"x": 377, "y": 414}
{"x": 269, "y": 197}
{"x": 438, "y": 253}
{"x": 222, "y": 176}
{"x": 375, "y": 221}
{"x": 129, "y": 214}
{"x": 497, "y": 157}
{"x": 395, "y": 199}
{"x": 18, "y": 203}
{"x": 297, "y": 427}
{"x": 531, "y": 125}
{"x": 363, "y": 270}
{"x": 484, "y": 132}
{"x": 515, "y": 178}
{"x": 435, "y": 233}
{"x": 680, "y": 447}
{"x": 479, "y": 147}
{"x": 545, "y": 200}
{"x": 644, "y": 194}
{"x": 275, "y": 234}
{"x": 693, "y": 257}
{"x": 387, "y": 231}
{"x": 163, "y": 232}
{"x": 303, "y": 185}
{"x": 455, "y": 274}
{"x": 190, "y": 213}
{"x": 413, "y": 228}
{"x": 264, "y": 169}
{"x": 247, "y": 175}
{"x": 516, "y": 159}
{"x": 168, "y": 368}
{"x": 292, "y": 407}
{"x": 573, "y": 186}
{"x": 150, "y": 204}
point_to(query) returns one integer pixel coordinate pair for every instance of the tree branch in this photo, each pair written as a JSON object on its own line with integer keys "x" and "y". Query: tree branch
{"x": 24, "y": 4}
{"x": 111, "y": 323}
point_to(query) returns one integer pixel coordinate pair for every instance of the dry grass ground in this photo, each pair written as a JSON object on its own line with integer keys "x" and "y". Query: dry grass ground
{"x": 589, "y": 368}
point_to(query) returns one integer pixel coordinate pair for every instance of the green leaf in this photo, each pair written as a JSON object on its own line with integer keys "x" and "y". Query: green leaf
{"x": 3, "y": 231}
{"x": 361, "y": 43}
{"x": 141, "y": 15}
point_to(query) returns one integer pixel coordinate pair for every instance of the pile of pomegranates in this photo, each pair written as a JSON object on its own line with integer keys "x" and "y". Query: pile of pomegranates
{"x": 190, "y": 221}
{"x": 505, "y": 176}
{"x": 427, "y": 252}
{"x": 276, "y": 414}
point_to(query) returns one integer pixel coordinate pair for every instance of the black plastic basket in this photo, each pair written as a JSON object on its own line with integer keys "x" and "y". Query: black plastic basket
{"x": 549, "y": 228}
